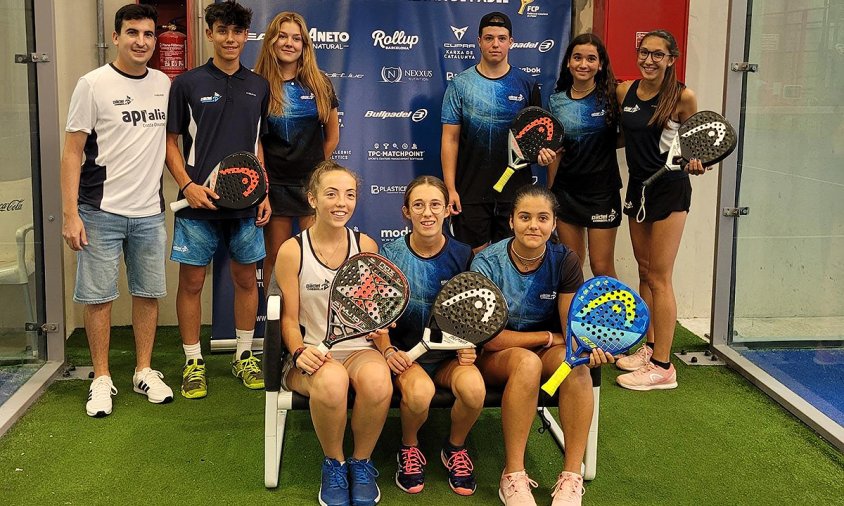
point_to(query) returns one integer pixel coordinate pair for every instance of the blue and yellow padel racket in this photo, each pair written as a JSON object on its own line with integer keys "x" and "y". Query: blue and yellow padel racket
{"x": 604, "y": 313}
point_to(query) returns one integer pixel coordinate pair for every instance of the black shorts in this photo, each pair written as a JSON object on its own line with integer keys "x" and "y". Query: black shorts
{"x": 598, "y": 210}
{"x": 291, "y": 201}
{"x": 478, "y": 224}
{"x": 662, "y": 197}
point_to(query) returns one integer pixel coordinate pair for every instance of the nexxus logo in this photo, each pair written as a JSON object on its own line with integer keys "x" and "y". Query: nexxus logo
{"x": 134, "y": 117}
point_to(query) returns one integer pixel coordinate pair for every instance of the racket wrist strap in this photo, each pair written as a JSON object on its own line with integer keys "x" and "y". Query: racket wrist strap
{"x": 185, "y": 186}
{"x": 388, "y": 353}
{"x": 550, "y": 340}
{"x": 297, "y": 353}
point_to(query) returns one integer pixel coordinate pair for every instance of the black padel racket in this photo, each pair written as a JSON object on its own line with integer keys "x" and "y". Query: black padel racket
{"x": 604, "y": 313}
{"x": 706, "y": 136}
{"x": 239, "y": 180}
{"x": 468, "y": 311}
{"x": 368, "y": 293}
{"x": 533, "y": 128}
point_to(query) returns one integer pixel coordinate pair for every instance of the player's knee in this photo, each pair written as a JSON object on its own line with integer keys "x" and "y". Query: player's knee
{"x": 527, "y": 367}
{"x": 191, "y": 282}
{"x": 601, "y": 266}
{"x": 375, "y": 386}
{"x": 244, "y": 279}
{"x": 330, "y": 385}
{"x": 417, "y": 395}
{"x": 470, "y": 390}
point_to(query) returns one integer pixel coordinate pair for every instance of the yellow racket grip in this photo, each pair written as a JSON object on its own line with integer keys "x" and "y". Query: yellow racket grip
{"x": 556, "y": 379}
{"x": 499, "y": 186}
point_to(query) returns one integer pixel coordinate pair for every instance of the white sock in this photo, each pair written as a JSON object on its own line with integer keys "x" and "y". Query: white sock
{"x": 244, "y": 342}
{"x": 192, "y": 351}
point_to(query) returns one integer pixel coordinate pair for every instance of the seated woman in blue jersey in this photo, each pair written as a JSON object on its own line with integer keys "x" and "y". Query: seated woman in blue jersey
{"x": 307, "y": 264}
{"x": 429, "y": 258}
{"x": 538, "y": 279}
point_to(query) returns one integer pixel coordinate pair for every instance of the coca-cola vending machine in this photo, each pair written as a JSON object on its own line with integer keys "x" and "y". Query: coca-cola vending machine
{"x": 621, "y": 24}
{"x": 174, "y": 52}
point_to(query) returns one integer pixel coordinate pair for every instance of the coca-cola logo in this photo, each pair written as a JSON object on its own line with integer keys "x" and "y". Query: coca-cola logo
{"x": 12, "y": 205}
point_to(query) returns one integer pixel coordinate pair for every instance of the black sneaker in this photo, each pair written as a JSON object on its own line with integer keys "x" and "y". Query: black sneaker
{"x": 461, "y": 471}
{"x": 410, "y": 475}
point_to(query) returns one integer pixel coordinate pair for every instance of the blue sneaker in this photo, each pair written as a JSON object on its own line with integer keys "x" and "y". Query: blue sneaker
{"x": 461, "y": 471}
{"x": 362, "y": 474}
{"x": 334, "y": 490}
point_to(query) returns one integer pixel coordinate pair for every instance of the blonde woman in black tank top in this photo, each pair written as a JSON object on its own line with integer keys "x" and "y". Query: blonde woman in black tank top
{"x": 332, "y": 192}
{"x": 665, "y": 103}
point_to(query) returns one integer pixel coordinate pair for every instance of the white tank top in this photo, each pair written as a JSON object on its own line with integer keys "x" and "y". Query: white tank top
{"x": 314, "y": 281}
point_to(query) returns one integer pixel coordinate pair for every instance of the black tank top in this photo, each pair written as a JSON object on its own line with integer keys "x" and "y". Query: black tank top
{"x": 646, "y": 147}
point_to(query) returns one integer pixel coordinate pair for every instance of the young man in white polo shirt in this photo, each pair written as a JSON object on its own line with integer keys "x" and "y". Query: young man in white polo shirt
{"x": 112, "y": 203}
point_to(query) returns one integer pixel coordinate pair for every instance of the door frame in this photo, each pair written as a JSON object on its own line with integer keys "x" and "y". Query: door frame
{"x": 724, "y": 274}
{"x": 50, "y": 300}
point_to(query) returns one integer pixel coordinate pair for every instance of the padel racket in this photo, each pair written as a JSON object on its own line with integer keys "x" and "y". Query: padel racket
{"x": 606, "y": 314}
{"x": 239, "y": 180}
{"x": 368, "y": 293}
{"x": 706, "y": 136}
{"x": 468, "y": 311}
{"x": 533, "y": 128}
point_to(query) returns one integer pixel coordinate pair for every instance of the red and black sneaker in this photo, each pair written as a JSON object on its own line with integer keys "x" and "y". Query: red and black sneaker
{"x": 410, "y": 475}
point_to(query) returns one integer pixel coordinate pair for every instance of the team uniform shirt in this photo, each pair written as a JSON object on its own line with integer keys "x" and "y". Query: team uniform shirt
{"x": 314, "y": 284}
{"x": 531, "y": 297}
{"x": 124, "y": 117}
{"x": 646, "y": 147}
{"x": 217, "y": 115}
{"x": 293, "y": 144}
{"x": 425, "y": 277}
{"x": 588, "y": 164}
{"x": 484, "y": 108}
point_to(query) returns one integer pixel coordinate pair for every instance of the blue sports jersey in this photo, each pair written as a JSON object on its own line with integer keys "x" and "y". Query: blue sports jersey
{"x": 484, "y": 108}
{"x": 425, "y": 277}
{"x": 588, "y": 163}
{"x": 293, "y": 145}
{"x": 531, "y": 297}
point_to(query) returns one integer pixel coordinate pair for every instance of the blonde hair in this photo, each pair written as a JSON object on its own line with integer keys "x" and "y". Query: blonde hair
{"x": 324, "y": 168}
{"x": 307, "y": 71}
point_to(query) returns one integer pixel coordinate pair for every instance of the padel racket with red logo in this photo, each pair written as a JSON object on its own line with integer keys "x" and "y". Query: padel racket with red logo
{"x": 604, "y": 313}
{"x": 706, "y": 136}
{"x": 368, "y": 293}
{"x": 468, "y": 311}
{"x": 239, "y": 179}
{"x": 533, "y": 128}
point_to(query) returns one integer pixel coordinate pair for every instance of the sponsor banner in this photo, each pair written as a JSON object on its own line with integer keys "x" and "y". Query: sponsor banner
{"x": 390, "y": 62}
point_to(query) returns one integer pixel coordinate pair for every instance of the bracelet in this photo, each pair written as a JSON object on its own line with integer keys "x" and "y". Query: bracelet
{"x": 387, "y": 354}
{"x": 550, "y": 340}
{"x": 296, "y": 354}
{"x": 185, "y": 186}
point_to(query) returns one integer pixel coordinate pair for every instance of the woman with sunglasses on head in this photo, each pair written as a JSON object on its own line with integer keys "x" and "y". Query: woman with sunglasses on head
{"x": 305, "y": 269}
{"x": 538, "y": 279}
{"x": 585, "y": 176}
{"x": 653, "y": 108}
{"x": 304, "y": 128}
{"x": 429, "y": 258}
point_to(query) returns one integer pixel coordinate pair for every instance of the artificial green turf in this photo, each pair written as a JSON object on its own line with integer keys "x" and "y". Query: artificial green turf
{"x": 714, "y": 440}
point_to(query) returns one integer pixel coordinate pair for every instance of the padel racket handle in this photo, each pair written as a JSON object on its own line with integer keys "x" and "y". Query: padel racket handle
{"x": 417, "y": 351}
{"x": 322, "y": 348}
{"x": 499, "y": 186}
{"x": 179, "y": 205}
{"x": 556, "y": 379}
{"x": 658, "y": 174}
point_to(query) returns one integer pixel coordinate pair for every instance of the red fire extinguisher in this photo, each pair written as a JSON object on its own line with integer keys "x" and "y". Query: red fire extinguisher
{"x": 172, "y": 51}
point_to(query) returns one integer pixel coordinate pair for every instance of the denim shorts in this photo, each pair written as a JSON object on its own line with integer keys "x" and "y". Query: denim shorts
{"x": 195, "y": 241}
{"x": 143, "y": 242}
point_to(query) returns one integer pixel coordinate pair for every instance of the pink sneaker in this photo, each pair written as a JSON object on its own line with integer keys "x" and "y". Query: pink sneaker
{"x": 568, "y": 490}
{"x": 515, "y": 489}
{"x": 650, "y": 377}
{"x": 635, "y": 360}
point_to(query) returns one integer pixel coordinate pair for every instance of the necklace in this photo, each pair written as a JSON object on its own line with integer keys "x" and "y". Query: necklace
{"x": 527, "y": 261}
{"x": 587, "y": 90}
{"x": 427, "y": 254}
{"x": 325, "y": 259}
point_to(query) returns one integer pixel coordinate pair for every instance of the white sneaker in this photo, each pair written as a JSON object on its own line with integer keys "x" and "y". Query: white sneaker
{"x": 568, "y": 490}
{"x": 149, "y": 382}
{"x": 99, "y": 397}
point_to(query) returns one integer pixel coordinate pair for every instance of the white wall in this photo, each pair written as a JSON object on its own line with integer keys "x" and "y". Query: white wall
{"x": 76, "y": 39}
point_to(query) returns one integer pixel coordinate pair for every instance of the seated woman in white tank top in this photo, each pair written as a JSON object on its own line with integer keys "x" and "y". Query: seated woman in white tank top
{"x": 305, "y": 268}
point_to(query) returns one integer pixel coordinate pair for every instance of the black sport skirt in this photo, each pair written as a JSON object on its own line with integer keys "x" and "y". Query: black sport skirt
{"x": 662, "y": 197}
{"x": 601, "y": 210}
